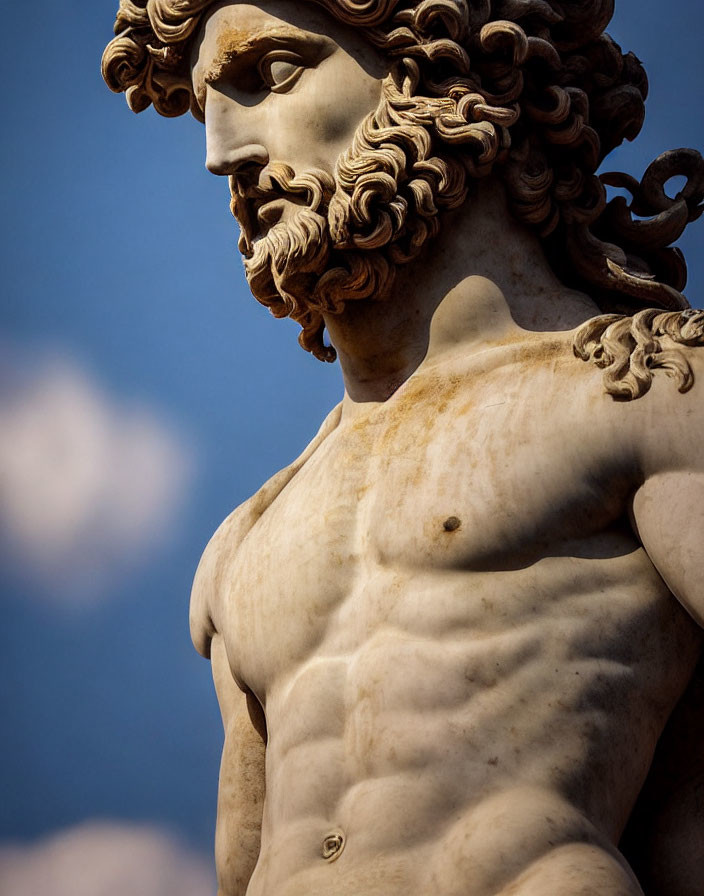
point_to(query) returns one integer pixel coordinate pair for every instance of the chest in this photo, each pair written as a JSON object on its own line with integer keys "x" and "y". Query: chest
{"x": 425, "y": 490}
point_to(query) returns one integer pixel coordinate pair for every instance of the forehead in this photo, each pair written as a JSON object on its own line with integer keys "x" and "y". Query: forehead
{"x": 239, "y": 23}
{"x": 231, "y": 29}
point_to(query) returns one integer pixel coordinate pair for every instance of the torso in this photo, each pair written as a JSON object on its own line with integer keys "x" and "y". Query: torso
{"x": 464, "y": 656}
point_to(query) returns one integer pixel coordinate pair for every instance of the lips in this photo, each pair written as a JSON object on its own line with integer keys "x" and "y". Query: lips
{"x": 245, "y": 215}
{"x": 270, "y": 213}
{"x": 256, "y": 210}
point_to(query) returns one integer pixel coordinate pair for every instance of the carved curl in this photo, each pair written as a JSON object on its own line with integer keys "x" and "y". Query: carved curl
{"x": 149, "y": 58}
{"x": 631, "y": 349}
{"x": 532, "y": 89}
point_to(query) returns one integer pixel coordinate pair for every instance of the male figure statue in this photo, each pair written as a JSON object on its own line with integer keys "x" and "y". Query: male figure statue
{"x": 447, "y": 640}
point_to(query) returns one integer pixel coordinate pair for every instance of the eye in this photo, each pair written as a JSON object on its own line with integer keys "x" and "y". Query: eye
{"x": 280, "y": 71}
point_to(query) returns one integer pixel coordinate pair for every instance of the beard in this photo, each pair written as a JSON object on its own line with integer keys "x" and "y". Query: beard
{"x": 295, "y": 268}
{"x": 343, "y": 237}
{"x": 285, "y": 264}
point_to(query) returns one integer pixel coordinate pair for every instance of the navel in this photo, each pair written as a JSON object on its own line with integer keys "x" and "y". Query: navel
{"x": 333, "y": 845}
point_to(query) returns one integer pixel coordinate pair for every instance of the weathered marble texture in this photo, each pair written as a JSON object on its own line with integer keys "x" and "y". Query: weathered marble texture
{"x": 448, "y": 639}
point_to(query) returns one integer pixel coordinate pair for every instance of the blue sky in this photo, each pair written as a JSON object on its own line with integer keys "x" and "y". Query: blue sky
{"x": 134, "y": 357}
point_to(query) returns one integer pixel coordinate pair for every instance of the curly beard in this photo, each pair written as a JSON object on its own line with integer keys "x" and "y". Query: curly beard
{"x": 348, "y": 234}
{"x": 294, "y": 269}
{"x": 287, "y": 263}
{"x": 284, "y": 265}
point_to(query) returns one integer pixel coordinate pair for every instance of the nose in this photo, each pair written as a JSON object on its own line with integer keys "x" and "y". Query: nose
{"x": 231, "y": 159}
{"x": 229, "y": 146}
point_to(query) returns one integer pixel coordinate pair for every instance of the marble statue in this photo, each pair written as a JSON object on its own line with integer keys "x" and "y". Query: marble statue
{"x": 456, "y": 642}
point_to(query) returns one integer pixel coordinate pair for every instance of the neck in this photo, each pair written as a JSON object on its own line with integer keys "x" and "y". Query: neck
{"x": 480, "y": 283}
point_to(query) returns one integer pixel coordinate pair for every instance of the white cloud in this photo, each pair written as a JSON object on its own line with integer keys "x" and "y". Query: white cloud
{"x": 105, "y": 859}
{"x": 87, "y": 484}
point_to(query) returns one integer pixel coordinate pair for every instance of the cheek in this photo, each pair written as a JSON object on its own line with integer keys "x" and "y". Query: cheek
{"x": 311, "y": 126}
{"x": 342, "y": 96}
{"x": 339, "y": 121}
{"x": 347, "y": 95}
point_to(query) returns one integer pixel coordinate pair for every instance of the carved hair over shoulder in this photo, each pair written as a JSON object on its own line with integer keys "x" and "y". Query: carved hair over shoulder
{"x": 533, "y": 90}
{"x": 630, "y": 350}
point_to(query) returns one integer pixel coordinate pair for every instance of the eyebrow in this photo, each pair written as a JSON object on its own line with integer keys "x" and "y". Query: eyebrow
{"x": 234, "y": 44}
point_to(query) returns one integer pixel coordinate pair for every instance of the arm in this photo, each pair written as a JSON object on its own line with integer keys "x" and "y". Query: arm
{"x": 241, "y": 789}
{"x": 667, "y": 841}
{"x": 664, "y": 841}
{"x": 667, "y": 831}
{"x": 242, "y": 784}
{"x": 668, "y": 508}
{"x": 668, "y": 512}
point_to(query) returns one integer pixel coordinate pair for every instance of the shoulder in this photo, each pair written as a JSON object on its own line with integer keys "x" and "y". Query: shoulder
{"x": 653, "y": 425}
{"x": 212, "y": 576}
{"x": 653, "y": 363}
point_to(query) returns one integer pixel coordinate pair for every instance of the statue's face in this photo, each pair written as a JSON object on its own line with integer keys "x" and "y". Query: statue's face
{"x": 333, "y": 172}
{"x": 279, "y": 83}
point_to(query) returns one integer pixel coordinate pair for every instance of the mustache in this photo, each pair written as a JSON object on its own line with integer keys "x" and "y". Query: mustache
{"x": 257, "y": 205}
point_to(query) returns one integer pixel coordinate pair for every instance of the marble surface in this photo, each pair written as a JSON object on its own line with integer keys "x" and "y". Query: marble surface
{"x": 456, "y": 642}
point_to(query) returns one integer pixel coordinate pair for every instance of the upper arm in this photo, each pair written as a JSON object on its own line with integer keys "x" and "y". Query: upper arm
{"x": 202, "y": 595}
{"x": 242, "y": 786}
{"x": 668, "y": 508}
{"x": 668, "y": 511}
{"x": 241, "y": 783}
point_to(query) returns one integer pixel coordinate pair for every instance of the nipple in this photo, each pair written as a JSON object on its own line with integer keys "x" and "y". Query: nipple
{"x": 333, "y": 845}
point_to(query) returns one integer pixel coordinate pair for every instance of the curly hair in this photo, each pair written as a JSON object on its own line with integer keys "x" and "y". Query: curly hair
{"x": 532, "y": 89}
